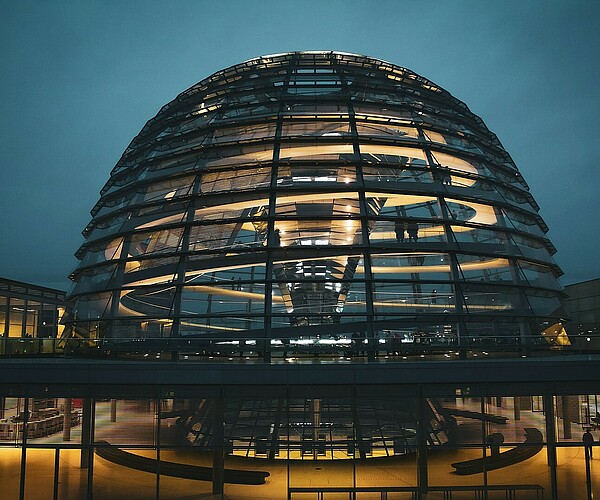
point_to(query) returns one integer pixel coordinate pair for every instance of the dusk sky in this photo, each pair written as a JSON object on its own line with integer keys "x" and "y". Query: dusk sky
{"x": 79, "y": 79}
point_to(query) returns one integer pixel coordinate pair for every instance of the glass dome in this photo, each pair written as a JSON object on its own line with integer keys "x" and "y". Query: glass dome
{"x": 314, "y": 201}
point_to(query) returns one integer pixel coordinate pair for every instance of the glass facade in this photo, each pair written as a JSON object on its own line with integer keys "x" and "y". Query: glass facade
{"x": 30, "y": 318}
{"x": 311, "y": 201}
{"x": 316, "y": 234}
{"x": 583, "y": 308}
{"x": 505, "y": 443}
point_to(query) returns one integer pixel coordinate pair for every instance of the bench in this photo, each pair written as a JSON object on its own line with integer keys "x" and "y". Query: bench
{"x": 532, "y": 446}
{"x": 173, "y": 469}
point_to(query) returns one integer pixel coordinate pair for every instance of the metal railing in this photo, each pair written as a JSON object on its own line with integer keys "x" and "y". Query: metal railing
{"x": 336, "y": 347}
{"x": 479, "y": 492}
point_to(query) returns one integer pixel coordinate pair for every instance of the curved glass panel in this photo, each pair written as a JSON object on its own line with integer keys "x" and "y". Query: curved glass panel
{"x": 310, "y": 199}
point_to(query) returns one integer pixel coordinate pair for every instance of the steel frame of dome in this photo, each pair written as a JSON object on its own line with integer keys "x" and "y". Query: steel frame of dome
{"x": 309, "y": 199}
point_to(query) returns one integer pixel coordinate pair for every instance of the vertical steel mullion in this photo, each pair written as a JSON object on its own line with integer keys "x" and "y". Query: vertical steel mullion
{"x": 23, "y": 448}
{"x": 182, "y": 265}
{"x": 484, "y": 430}
{"x": 364, "y": 213}
{"x": 90, "y": 450}
{"x": 158, "y": 444}
{"x": 56, "y": 473}
{"x": 24, "y": 319}
{"x": 455, "y": 274}
{"x": 6, "y": 319}
{"x": 422, "y": 445}
{"x": 118, "y": 276}
{"x": 516, "y": 278}
{"x": 287, "y": 425}
{"x": 354, "y": 436}
{"x": 218, "y": 451}
{"x": 548, "y": 401}
{"x": 268, "y": 316}
{"x": 525, "y": 324}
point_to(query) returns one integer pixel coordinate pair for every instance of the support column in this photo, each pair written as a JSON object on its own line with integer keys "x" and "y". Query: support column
{"x": 218, "y": 459}
{"x": 357, "y": 434}
{"x": 566, "y": 414}
{"x": 517, "y": 407}
{"x": 56, "y": 470}
{"x": 67, "y": 417}
{"x": 86, "y": 426}
{"x": 23, "y": 447}
{"x": 158, "y": 446}
{"x": 422, "y": 478}
{"x": 551, "y": 442}
{"x": 484, "y": 443}
{"x": 316, "y": 424}
{"x": 113, "y": 410}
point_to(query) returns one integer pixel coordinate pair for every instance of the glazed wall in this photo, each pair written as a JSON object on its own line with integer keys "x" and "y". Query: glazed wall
{"x": 63, "y": 463}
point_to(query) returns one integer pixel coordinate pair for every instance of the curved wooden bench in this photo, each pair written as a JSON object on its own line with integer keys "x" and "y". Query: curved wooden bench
{"x": 173, "y": 469}
{"x": 532, "y": 446}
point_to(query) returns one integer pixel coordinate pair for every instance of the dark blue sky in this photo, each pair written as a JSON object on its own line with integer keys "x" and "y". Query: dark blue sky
{"x": 78, "y": 80}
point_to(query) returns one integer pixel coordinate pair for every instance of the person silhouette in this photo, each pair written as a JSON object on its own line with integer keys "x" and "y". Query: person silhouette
{"x": 399, "y": 229}
{"x": 276, "y": 238}
{"x": 412, "y": 229}
{"x": 588, "y": 442}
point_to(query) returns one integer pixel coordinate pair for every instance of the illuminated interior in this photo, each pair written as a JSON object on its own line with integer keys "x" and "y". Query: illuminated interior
{"x": 315, "y": 238}
{"x": 311, "y": 190}
{"x": 30, "y": 317}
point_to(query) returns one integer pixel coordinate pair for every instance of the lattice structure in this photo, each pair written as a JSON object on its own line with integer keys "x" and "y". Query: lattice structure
{"x": 316, "y": 198}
